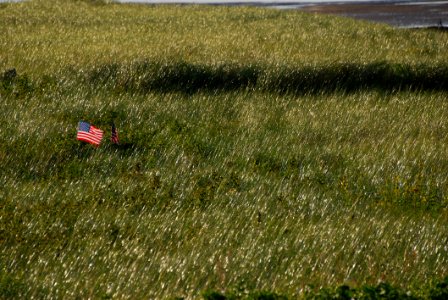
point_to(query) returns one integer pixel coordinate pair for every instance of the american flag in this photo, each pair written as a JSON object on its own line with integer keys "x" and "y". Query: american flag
{"x": 114, "y": 135}
{"x": 88, "y": 133}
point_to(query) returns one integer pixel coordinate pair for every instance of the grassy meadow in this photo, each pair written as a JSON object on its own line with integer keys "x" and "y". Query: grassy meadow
{"x": 264, "y": 154}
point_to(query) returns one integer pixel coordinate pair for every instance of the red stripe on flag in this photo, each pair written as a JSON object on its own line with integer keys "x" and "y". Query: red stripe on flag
{"x": 93, "y": 136}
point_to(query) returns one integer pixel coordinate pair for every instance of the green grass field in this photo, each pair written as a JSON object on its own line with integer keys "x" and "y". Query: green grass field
{"x": 264, "y": 154}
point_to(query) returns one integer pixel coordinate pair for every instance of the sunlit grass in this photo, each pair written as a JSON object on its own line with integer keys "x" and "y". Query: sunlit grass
{"x": 228, "y": 176}
{"x": 46, "y": 35}
{"x": 226, "y": 190}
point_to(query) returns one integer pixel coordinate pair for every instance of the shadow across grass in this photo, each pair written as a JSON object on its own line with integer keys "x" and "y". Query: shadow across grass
{"x": 145, "y": 77}
{"x": 354, "y": 77}
{"x": 190, "y": 78}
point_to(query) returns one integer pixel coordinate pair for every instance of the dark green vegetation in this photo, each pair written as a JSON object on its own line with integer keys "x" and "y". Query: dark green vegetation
{"x": 262, "y": 152}
{"x": 434, "y": 290}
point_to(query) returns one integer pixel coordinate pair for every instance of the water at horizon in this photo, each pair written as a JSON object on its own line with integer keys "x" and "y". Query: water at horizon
{"x": 283, "y": 2}
{"x": 399, "y": 13}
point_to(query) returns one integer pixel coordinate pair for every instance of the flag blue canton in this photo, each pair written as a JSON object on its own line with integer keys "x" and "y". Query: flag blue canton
{"x": 84, "y": 126}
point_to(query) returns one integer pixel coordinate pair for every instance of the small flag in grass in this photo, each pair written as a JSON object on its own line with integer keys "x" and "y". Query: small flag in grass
{"x": 89, "y": 134}
{"x": 114, "y": 135}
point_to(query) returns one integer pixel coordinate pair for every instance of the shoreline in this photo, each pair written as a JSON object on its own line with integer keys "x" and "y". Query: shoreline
{"x": 406, "y": 15}
{"x": 402, "y": 14}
